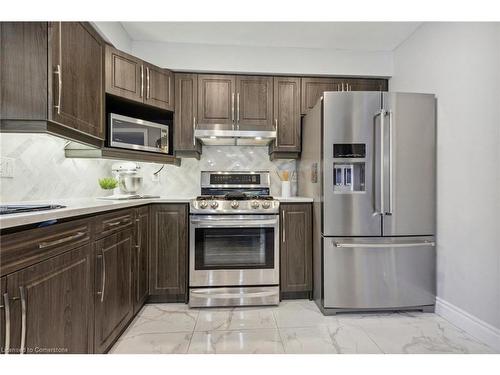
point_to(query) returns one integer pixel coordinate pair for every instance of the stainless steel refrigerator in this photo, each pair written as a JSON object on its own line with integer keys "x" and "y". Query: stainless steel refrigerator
{"x": 369, "y": 161}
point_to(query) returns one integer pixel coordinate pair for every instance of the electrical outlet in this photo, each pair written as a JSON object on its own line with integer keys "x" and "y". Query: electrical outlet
{"x": 7, "y": 167}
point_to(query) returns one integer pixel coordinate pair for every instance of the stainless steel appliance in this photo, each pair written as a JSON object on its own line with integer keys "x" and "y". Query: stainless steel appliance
{"x": 234, "y": 241}
{"x": 137, "y": 134}
{"x": 369, "y": 161}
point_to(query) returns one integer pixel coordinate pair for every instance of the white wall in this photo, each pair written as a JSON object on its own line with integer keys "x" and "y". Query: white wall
{"x": 236, "y": 59}
{"x": 460, "y": 63}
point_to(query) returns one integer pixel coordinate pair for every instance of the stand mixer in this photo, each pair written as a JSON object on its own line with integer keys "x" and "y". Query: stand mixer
{"x": 129, "y": 182}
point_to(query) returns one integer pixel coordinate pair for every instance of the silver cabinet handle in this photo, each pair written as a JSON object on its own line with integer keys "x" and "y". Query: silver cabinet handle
{"x": 23, "y": 319}
{"x": 238, "y": 111}
{"x": 283, "y": 225}
{"x": 382, "y": 174}
{"x": 43, "y": 245}
{"x": 115, "y": 223}
{"x": 103, "y": 276}
{"x": 194, "y": 128}
{"x": 232, "y": 109}
{"x": 58, "y": 71}
{"x": 148, "y": 87}
{"x": 141, "y": 94}
{"x": 380, "y": 245}
{"x": 6, "y": 306}
{"x": 389, "y": 211}
{"x": 276, "y": 128}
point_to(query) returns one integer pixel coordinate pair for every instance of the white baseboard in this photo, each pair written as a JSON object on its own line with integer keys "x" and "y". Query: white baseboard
{"x": 469, "y": 323}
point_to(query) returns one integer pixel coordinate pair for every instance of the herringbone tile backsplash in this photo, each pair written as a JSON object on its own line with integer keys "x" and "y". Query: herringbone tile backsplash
{"x": 42, "y": 171}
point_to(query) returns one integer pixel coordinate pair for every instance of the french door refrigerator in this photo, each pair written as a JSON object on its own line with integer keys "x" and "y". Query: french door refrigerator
{"x": 369, "y": 161}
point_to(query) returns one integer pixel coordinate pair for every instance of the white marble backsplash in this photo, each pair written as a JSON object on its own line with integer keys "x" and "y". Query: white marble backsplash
{"x": 42, "y": 172}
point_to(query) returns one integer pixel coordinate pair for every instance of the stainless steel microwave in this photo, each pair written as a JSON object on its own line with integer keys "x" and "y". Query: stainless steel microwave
{"x": 137, "y": 134}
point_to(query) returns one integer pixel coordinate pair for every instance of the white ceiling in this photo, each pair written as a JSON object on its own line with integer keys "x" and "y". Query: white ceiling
{"x": 358, "y": 36}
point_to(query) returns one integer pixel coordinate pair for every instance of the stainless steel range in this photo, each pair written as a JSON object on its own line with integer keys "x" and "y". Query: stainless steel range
{"x": 234, "y": 241}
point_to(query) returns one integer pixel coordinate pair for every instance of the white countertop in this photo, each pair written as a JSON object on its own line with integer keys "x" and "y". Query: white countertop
{"x": 86, "y": 206}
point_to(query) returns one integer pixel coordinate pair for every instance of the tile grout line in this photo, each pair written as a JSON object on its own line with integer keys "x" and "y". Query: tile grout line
{"x": 192, "y": 333}
{"x": 279, "y": 332}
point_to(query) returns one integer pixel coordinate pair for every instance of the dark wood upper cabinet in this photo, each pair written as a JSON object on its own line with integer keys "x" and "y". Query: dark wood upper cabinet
{"x": 77, "y": 97}
{"x": 124, "y": 75}
{"x": 113, "y": 287}
{"x": 254, "y": 103}
{"x": 366, "y": 84}
{"x": 286, "y": 117}
{"x": 168, "y": 252}
{"x": 185, "y": 115}
{"x": 159, "y": 90}
{"x": 296, "y": 247}
{"x": 216, "y": 101}
{"x": 313, "y": 88}
{"x": 131, "y": 78}
{"x": 52, "y": 80}
{"x": 140, "y": 257}
{"x": 53, "y": 301}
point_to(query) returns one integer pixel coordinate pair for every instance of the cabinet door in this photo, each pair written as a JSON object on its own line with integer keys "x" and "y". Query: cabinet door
{"x": 365, "y": 84}
{"x": 51, "y": 305}
{"x": 124, "y": 75}
{"x": 76, "y": 74}
{"x": 168, "y": 252}
{"x": 296, "y": 247}
{"x": 287, "y": 114}
{"x": 254, "y": 103}
{"x": 141, "y": 255}
{"x": 159, "y": 87}
{"x": 113, "y": 287}
{"x": 313, "y": 88}
{"x": 216, "y": 101}
{"x": 185, "y": 115}
{"x": 3, "y": 312}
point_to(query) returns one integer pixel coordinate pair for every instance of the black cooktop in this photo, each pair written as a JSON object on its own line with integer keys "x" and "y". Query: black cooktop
{"x": 17, "y": 208}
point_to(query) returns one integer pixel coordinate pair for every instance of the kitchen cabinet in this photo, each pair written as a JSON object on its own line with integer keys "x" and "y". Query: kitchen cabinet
{"x": 3, "y": 312}
{"x": 185, "y": 115}
{"x": 140, "y": 257}
{"x": 295, "y": 249}
{"x": 52, "y": 80}
{"x": 216, "y": 101}
{"x": 313, "y": 88}
{"x": 131, "y": 78}
{"x": 286, "y": 118}
{"x": 168, "y": 253}
{"x": 254, "y": 103}
{"x": 113, "y": 287}
{"x": 51, "y": 305}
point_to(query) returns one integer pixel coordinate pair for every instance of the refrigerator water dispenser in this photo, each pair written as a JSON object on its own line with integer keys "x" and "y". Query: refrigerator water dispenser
{"x": 348, "y": 177}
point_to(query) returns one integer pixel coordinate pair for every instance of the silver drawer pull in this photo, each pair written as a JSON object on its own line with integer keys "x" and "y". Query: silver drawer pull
{"x": 380, "y": 245}
{"x": 115, "y": 223}
{"x": 43, "y": 245}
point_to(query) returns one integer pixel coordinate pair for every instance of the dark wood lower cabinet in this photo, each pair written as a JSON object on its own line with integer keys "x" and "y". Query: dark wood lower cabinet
{"x": 168, "y": 252}
{"x": 295, "y": 249}
{"x": 140, "y": 257}
{"x": 3, "y": 290}
{"x": 51, "y": 305}
{"x": 113, "y": 288}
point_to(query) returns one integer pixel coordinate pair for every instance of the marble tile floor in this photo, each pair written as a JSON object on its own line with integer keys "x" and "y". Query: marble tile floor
{"x": 293, "y": 327}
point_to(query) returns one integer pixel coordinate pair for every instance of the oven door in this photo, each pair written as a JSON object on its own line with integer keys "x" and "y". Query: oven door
{"x": 234, "y": 250}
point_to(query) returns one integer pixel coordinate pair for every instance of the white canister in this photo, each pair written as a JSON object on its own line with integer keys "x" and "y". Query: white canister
{"x": 285, "y": 189}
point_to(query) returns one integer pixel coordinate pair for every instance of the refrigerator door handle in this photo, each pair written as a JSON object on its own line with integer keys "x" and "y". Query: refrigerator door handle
{"x": 381, "y": 194}
{"x": 391, "y": 189}
{"x": 384, "y": 245}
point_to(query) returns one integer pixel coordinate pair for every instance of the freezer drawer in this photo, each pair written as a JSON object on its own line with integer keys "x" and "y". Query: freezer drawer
{"x": 378, "y": 273}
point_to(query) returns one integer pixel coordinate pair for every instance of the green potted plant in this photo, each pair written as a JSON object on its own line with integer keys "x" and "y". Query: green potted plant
{"x": 108, "y": 183}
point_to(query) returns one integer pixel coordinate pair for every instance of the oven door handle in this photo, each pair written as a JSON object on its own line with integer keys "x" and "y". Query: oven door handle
{"x": 234, "y": 223}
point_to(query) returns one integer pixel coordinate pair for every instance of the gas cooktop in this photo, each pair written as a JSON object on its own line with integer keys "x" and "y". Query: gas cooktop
{"x": 18, "y": 208}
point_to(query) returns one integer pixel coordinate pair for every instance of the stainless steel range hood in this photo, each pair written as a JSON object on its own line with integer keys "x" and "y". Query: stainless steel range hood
{"x": 214, "y": 137}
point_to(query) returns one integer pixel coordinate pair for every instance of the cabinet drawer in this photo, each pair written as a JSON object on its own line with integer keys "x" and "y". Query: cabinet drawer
{"x": 25, "y": 248}
{"x": 113, "y": 222}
